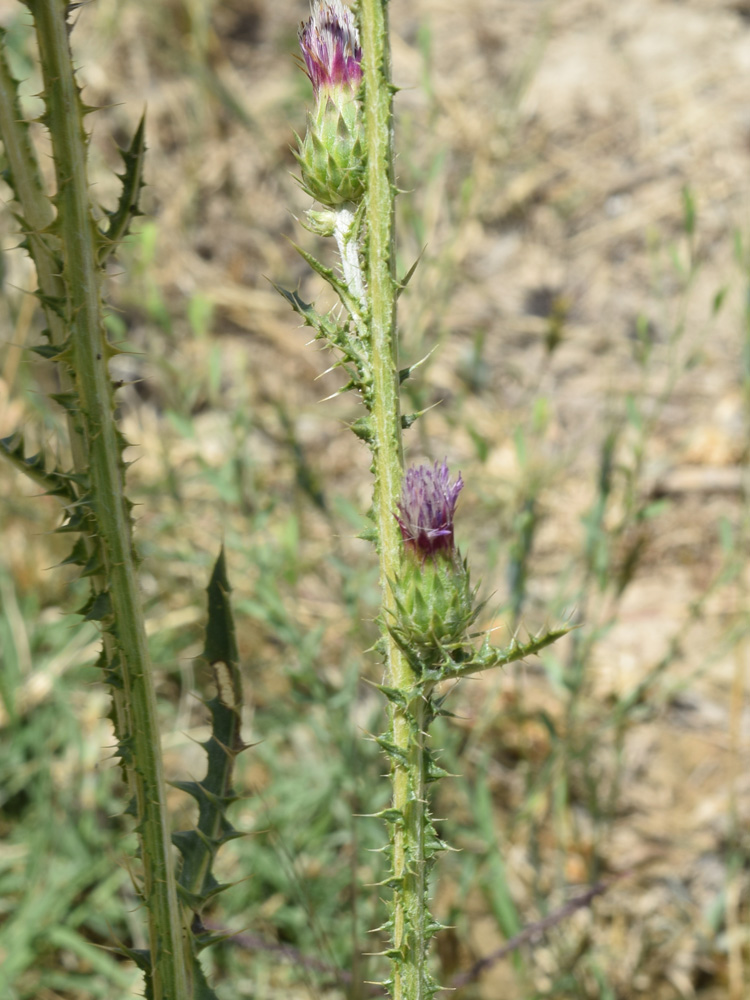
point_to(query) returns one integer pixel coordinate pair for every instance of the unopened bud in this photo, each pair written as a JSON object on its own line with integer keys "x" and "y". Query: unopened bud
{"x": 434, "y": 599}
{"x": 321, "y": 223}
{"x": 331, "y": 156}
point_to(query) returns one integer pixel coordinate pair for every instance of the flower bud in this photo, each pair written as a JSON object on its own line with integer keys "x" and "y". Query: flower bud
{"x": 331, "y": 156}
{"x": 321, "y": 223}
{"x": 428, "y": 503}
{"x": 434, "y": 597}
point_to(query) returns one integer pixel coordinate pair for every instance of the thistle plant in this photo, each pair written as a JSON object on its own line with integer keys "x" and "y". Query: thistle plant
{"x": 428, "y": 603}
{"x": 69, "y": 239}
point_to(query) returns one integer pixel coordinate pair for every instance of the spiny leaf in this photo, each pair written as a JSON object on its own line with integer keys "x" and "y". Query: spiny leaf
{"x": 53, "y": 303}
{"x": 214, "y": 793}
{"x": 94, "y": 565}
{"x": 349, "y": 302}
{"x": 408, "y": 276}
{"x": 51, "y": 352}
{"x": 221, "y": 642}
{"x": 405, "y": 373}
{"x": 68, "y": 401}
{"x": 390, "y": 815}
{"x": 325, "y": 327}
{"x": 362, "y": 428}
{"x": 203, "y": 936}
{"x": 53, "y": 483}
{"x": 140, "y": 956}
{"x": 395, "y": 695}
{"x": 369, "y": 535}
{"x": 490, "y": 656}
{"x": 199, "y": 988}
{"x": 96, "y": 608}
{"x": 434, "y": 772}
{"x": 396, "y": 753}
{"x": 132, "y": 183}
{"x": 79, "y": 554}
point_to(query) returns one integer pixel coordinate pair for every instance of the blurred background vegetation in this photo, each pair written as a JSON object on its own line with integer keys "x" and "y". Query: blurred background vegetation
{"x": 575, "y": 176}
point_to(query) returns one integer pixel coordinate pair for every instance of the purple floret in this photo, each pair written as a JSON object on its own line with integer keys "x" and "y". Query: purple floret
{"x": 425, "y": 513}
{"x": 330, "y": 48}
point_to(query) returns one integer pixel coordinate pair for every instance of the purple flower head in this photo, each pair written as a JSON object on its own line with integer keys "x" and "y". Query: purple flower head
{"x": 330, "y": 48}
{"x": 425, "y": 513}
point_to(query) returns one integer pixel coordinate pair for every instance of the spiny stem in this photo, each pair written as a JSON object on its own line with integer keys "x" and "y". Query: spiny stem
{"x": 38, "y": 214}
{"x": 81, "y": 273}
{"x": 381, "y": 286}
{"x": 408, "y": 948}
{"x": 414, "y": 973}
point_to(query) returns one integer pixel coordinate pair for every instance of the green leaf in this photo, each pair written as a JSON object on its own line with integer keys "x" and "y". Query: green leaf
{"x": 214, "y": 794}
{"x": 408, "y": 276}
{"x": 132, "y": 183}
{"x": 490, "y": 656}
{"x": 322, "y": 324}
{"x": 54, "y": 483}
{"x": 349, "y": 302}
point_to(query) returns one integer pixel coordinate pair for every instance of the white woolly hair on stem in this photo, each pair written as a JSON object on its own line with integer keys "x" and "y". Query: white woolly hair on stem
{"x": 345, "y": 233}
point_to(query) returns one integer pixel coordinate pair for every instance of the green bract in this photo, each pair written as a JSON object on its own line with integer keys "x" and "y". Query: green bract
{"x": 331, "y": 156}
{"x": 435, "y": 606}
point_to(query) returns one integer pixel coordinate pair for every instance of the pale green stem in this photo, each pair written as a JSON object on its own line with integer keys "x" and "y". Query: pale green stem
{"x": 410, "y": 981}
{"x": 94, "y": 389}
{"x": 415, "y": 981}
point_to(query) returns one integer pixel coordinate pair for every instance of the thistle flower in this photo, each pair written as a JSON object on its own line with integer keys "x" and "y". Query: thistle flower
{"x": 331, "y": 50}
{"x": 428, "y": 502}
{"x": 435, "y": 603}
{"x": 332, "y": 154}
